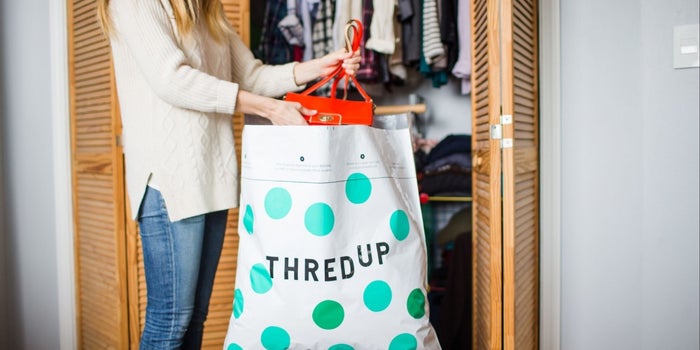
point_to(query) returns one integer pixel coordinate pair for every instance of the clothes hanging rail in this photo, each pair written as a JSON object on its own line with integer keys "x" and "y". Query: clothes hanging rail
{"x": 418, "y": 108}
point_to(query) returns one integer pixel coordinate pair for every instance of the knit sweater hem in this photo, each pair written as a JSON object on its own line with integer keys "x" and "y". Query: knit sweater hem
{"x": 381, "y": 45}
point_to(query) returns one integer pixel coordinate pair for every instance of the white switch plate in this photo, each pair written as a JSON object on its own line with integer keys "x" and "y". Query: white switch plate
{"x": 686, "y": 46}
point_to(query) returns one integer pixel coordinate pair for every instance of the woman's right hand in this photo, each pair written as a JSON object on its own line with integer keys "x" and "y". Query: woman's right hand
{"x": 277, "y": 111}
{"x": 288, "y": 113}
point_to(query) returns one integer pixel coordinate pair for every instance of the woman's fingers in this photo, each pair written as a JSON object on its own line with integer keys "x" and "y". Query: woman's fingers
{"x": 306, "y": 111}
{"x": 288, "y": 113}
{"x": 351, "y": 63}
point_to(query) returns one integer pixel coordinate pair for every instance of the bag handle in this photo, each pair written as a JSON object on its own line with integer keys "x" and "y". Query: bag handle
{"x": 353, "y": 37}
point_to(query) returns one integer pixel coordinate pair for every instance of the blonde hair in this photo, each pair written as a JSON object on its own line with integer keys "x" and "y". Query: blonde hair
{"x": 187, "y": 14}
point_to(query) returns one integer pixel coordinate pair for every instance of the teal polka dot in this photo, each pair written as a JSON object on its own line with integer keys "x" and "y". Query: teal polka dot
{"x": 275, "y": 338}
{"x": 260, "y": 279}
{"x": 341, "y": 347}
{"x": 416, "y": 304}
{"x": 404, "y": 341}
{"x": 278, "y": 202}
{"x": 377, "y": 296}
{"x": 234, "y": 346}
{"x": 248, "y": 219}
{"x": 328, "y": 314}
{"x": 358, "y": 188}
{"x": 319, "y": 219}
{"x": 237, "y": 303}
{"x": 399, "y": 224}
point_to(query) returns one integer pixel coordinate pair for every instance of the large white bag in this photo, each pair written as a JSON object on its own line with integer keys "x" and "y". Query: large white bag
{"x": 332, "y": 252}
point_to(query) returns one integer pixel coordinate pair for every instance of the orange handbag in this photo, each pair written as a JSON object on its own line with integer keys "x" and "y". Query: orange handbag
{"x": 332, "y": 110}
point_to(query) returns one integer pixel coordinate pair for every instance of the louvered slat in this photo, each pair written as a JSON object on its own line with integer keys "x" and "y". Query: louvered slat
{"x": 520, "y": 181}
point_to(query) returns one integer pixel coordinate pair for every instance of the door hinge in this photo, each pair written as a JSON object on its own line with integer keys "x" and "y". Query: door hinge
{"x": 497, "y": 131}
{"x": 506, "y": 119}
{"x": 118, "y": 141}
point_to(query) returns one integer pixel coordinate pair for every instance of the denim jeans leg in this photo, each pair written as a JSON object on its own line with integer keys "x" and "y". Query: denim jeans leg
{"x": 214, "y": 232}
{"x": 171, "y": 253}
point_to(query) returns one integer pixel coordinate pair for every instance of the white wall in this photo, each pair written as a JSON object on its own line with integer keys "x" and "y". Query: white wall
{"x": 26, "y": 133}
{"x": 630, "y": 173}
{"x": 4, "y": 288}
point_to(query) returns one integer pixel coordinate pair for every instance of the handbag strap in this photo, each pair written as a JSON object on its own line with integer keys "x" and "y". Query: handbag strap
{"x": 353, "y": 37}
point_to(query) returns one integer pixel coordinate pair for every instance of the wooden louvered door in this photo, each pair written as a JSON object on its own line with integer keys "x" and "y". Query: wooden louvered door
{"x": 98, "y": 186}
{"x": 519, "y": 94}
{"x": 505, "y": 175}
{"x": 486, "y": 177}
{"x": 221, "y": 303}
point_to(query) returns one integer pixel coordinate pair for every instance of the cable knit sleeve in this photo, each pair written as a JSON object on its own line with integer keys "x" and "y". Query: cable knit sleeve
{"x": 144, "y": 27}
{"x": 254, "y": 76}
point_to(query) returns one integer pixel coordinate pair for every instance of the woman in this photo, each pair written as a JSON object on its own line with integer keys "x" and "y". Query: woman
{"x": 181, "y": 71}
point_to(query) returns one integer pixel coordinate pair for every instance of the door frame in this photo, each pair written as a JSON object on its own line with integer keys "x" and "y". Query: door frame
{"x": 550, "y": 182}
{"x": 62, "y": 178}
{"x": 550, "y": 174}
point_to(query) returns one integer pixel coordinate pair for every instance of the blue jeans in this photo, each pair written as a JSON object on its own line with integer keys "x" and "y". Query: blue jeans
{"x": 180, "y": 260}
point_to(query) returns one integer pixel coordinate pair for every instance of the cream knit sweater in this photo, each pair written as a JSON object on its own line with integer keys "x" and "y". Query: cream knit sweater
{"x": 177, "y": 96}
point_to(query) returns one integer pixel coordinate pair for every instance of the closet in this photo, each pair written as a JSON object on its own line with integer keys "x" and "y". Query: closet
{"x": 110, "y": 285}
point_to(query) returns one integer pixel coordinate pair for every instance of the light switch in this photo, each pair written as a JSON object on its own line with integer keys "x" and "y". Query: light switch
{"x": 686, "y": 46}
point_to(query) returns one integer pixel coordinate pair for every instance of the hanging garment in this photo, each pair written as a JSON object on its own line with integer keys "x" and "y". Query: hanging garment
{"x": 440, "y": 63}
{"x": 396, "y": 66}
{"x": 274, "y": 48}
{"x": 345, "y": 10}
{"x": 448, "y": 31}
{"x": 381, "y": 32}
{"x": 411, "y": 18}
{"x": 322, "y": 35}
{"x": 432, "y": 43}
{"x": 369, "y": 65}
{"x": 437, "y": 75}
{"x": 463, "y": 67}
{"x": 382, "y": 39}
{"x": 308, "y": 10}
{"x": 291, "y": 27}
